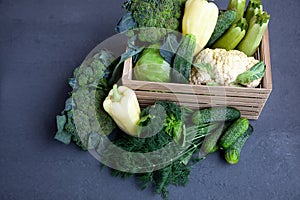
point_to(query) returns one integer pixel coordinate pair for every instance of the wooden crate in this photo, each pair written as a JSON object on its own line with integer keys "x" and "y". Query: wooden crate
{"x": 250, "y": 101}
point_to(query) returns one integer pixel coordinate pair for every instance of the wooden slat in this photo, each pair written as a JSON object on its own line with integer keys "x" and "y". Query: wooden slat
{"x": 195, "y": 89}
{"x": 195, "y": 105}
{"x": 127, "y": 70}
{"x": 202, "y": 99}
{"x": 265, "y": 56}
{"x": 208, "y": 93}
{"x": 206, "y": 98}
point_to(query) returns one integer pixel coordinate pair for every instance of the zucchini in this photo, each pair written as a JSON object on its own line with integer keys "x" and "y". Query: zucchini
{"x": 238, "y": 128}
{"x": 183, "y": 59}
{"x": 233, "y": 36}
{"x": 254, "y": 7}
{"x": 238, "y": 6}
{"x": 257, "y": 27}
{"x": 232, "y": 154}
{"x": 224, "y": 21}
{"x": 215, "y": 114}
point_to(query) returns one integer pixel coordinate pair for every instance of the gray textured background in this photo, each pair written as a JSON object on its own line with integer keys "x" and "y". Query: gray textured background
{"x": 42, "y": 41}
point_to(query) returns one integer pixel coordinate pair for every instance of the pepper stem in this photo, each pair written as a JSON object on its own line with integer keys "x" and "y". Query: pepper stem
{"x": 116, "y": 95}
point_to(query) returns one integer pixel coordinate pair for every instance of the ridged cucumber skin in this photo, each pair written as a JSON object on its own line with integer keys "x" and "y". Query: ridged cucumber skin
{"x": 224, "y": 21}
{"x": 215, "y": 114}
{"x": 238, "y": 128}
{"x": 232, "y": 154}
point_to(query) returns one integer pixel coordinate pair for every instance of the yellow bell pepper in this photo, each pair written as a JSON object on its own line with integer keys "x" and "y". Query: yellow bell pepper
{"x": 122, "y": 105}
{"x": 200, "y": 18}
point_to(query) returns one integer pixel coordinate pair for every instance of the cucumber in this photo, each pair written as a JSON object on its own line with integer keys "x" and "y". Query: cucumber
{"x": 215, "y": 114}
{"x": 232, "y": 154}
{"x": 210, "y": 142}
{"x": 214, "y": 149}
{"x": 225, "y": 20}
{"x": 238, "y": 128}
{"x": 183, "y": 59}
{"x": 233, "y": 35}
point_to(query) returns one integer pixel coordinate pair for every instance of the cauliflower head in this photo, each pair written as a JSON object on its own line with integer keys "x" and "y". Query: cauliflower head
{"x": 225, "y": 67}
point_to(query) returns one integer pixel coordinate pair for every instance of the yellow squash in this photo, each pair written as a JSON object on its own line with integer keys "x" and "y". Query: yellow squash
{"x": 200, "y": 18}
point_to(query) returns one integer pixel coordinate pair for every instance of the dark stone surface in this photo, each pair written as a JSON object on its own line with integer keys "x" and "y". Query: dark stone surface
{"x": 41, "y": 42}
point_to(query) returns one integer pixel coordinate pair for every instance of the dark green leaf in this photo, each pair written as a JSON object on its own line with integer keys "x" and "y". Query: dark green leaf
{"x": 60, "y": 122}
{"x": 105, "y": 57}
{"x": 169, "y": 48}
{"x": 254, "y": 73}
{"x": 63, "y": 137}
{"x": 131, "y": 51}
{"x": 126, "y": 23}
{"x": 69, "y": 104}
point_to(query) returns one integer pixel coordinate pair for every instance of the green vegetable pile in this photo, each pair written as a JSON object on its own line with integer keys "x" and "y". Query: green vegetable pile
{"x": 182, "y": 136}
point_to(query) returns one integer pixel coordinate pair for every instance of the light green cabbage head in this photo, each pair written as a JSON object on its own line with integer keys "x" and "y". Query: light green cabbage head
{"x": 151, "y": 66}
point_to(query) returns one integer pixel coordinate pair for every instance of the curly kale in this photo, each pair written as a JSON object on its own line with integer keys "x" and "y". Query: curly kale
{"x": 161, "y": 15}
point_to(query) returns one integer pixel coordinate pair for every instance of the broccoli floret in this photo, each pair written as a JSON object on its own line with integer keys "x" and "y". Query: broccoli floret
{"x": 84, "y": 106}
{"x": 164, "y": 14}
